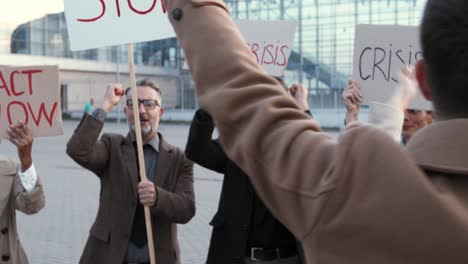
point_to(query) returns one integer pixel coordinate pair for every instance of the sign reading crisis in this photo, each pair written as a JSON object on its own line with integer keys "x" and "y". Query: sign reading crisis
{"x": 32, "y": 95}
{"x": 270, "y": 41}
{"x": 380, "y": 52}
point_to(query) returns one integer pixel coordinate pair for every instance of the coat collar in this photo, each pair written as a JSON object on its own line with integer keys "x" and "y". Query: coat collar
{"x": 442, "y": 147}
{"x": 166, "y": 155}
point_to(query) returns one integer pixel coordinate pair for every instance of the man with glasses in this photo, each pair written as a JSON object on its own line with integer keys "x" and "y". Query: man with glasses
{"x": 119, "y": 232}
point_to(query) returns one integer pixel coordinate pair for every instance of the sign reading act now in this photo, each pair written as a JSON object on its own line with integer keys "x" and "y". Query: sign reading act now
{"x": 32, "y": 95}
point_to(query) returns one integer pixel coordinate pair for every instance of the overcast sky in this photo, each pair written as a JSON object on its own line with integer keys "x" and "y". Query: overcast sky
{"x": 15, "y": 12}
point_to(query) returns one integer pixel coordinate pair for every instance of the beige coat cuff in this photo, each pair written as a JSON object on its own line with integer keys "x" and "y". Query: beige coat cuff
{"x": 387, "y": 118}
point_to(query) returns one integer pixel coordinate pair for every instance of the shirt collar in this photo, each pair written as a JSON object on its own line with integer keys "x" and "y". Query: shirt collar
{"x": 154, "y": 142}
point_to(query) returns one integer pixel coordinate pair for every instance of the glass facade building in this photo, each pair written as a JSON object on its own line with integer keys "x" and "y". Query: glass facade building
{"x": 48, "y": 37}
{"x": 323, "y": 51}
{"x": 321, "y": 58}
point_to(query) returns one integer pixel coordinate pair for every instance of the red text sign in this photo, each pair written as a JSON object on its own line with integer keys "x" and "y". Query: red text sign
{"x": 270, "y": 41}
{"x": 99, "y": 23}
{"x": 32, "y": 95}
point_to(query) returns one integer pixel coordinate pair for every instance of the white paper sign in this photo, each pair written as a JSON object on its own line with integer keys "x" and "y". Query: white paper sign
{"x": 32, "y": 95}
{"x": 380, "y": 52}
{"x": 99, "y": 23}
{"x": 271, "y": 42}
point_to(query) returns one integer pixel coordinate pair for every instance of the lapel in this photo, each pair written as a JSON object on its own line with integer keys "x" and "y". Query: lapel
{"x": 8, "y": 171}
{"x": 442, "y": 147}
{"x": 165, "y": 158}
{"x": 128, "y": 155}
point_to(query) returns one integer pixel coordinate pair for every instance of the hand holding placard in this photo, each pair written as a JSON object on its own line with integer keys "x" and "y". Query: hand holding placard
{"x": 20, "y": 135}
{"x": 406, "y": 89}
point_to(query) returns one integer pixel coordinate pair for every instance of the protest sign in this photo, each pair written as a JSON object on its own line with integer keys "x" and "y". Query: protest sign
{"x": 380, "y": 52}
{"x": 32, "y": 95}
{"x": 99, "y": 23}
{"x": 271, "y": 42}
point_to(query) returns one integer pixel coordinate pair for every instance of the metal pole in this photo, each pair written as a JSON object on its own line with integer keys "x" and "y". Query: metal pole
{"x": 301, "y": 56}
{"x": 282, "y": 9}
{"x": 317, "y": 48}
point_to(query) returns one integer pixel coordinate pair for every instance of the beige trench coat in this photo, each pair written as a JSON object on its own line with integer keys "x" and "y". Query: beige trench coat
{"x": 364, "y": 200}
{"x": 13, "y": 197}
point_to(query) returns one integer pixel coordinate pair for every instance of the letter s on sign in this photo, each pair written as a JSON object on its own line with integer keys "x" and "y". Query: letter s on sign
{"x": 142, "y": 12}
{"x": 96, "y": 18}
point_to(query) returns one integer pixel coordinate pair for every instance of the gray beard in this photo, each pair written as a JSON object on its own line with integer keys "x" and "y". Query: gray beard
{"x": 144, "y": 131}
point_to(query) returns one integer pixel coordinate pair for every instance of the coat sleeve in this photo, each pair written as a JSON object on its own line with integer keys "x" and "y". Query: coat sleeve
{"x": 201, "y": 148}
{"x": 28, "y": 202}
{"x": 289, "y": 161}
{"x": 85, "y": 148}
{"x": 177, "y": 206}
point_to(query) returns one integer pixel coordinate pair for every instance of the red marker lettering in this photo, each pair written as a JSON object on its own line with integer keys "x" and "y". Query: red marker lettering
{"x": 284, "y": 56}
{"x": 103, "y": 5}
{"x": 3, "y": 84}
{"x": 25, "y": 111}
{"x": 12, "y": 84}
{"x": 30, "y": 83}
{"x": 42, "y": 111}
{"x": 142, "y": 12}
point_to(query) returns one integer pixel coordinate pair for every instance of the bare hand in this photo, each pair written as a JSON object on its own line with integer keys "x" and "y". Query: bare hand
{"x": 21, "y": 137}
{"x": 352, "y": 96}
{"x": 406, "y": 89}
{"x": 299, "y": 94}
{"x": 147, "y": 193}
{"x": 114, "y": 94}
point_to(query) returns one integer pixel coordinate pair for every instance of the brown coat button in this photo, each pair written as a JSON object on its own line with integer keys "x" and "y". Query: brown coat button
{"x": 4, "y": 230}
{"x": 177, "y": 14}
{"x": 5, "y": 258}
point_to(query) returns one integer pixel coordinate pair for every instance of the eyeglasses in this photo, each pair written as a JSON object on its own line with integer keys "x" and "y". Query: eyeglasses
{"x": 148, "y": 104}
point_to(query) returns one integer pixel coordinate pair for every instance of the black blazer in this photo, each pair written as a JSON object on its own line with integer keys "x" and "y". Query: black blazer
{"x": 231, "y": 222}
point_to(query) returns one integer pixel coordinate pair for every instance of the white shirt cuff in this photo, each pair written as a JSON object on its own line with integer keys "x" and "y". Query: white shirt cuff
{"x": 28, "y": 178}
{"x": 387, "y": 118}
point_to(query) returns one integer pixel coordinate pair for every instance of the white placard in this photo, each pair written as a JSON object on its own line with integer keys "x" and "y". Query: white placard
{"x": 380, "y": 52}
{"x": 99, "y": 23}
{"x": 271, "y": 42}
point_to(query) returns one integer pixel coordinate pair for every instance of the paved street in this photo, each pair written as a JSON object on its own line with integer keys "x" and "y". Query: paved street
{"x": 58, "y": 233}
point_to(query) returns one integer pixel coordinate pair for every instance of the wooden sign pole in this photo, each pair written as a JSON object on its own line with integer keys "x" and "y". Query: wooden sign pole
{"x": 141, "y": 158}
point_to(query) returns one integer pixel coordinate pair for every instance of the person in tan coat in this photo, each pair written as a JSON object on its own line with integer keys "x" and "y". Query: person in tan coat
{"x": 20, "y": 189}
{"x": 364, "y": 200}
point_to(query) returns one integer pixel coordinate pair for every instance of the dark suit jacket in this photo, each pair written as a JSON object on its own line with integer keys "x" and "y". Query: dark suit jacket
{"x": 232, "y": 222}
{"x": 112, "y": 159}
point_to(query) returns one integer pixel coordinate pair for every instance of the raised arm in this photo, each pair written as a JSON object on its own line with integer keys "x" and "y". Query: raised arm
{"x": 262, "y": 129}
{"x": 201, "y": 148}
{"x": 84, "y": 146}
{"x": 27, "y": 188}
{"x": 352, "y": 98}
